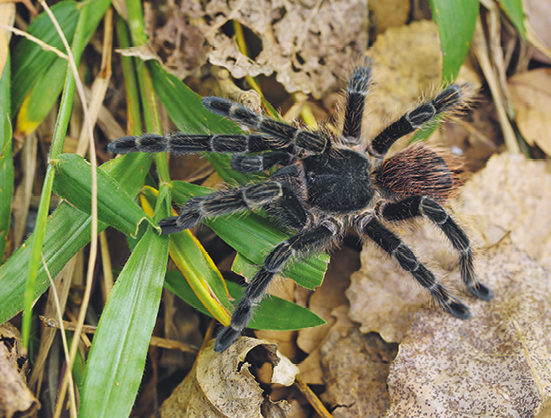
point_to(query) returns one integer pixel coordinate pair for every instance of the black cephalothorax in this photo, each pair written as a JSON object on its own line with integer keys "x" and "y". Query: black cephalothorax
{"x": 326, "y": 183}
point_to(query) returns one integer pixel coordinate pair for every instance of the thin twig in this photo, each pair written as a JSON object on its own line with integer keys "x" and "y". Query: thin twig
{"x": 312, "y": 398}
{"x": 155, "y": 341}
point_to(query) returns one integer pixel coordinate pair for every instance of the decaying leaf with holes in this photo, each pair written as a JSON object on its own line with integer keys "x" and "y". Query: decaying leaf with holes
{"x": 222, "y": 385}
{"x": 16, "y": 400}
{"x": 303, "y": 44}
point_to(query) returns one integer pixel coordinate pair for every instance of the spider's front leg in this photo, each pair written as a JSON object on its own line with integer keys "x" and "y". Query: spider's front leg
{"x": 418, "y": 206}
{"x": 221, "y": 203}
{"x": 308, "y": 240}
{"x": 356, "y": 93}
{"x": 451, "y": 98}
{"x": 369, "y": 226}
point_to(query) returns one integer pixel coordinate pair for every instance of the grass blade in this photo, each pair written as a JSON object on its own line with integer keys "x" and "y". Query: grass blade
{"x": 115, "y": 206}
{"x": 252, "y": 236}
{"x": 456, "y": 22}
{"x": 267, "y": 316}
{"x": 6, "y": 158}
{"x": 515, "y": 12}
{"x": 67, "y": 232}
{"x": 117, "y": 357}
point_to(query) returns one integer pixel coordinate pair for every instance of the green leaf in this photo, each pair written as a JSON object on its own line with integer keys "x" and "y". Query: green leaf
{"x": 273, "y": 313}
{"x": 67, "y": 232}
{"x": 196, "y": 265}
{"x": 515, "y": 12}
{"x": 115, "y": 206}
{"x": 253, "y": 237}
{"x": 185, "y": 109}
{"x": 29, "y": 59}
{"x": 456, "y": 22}
{"x": 117, "y": 357}
{"x": 6, "y": 158}
{"x": 39, "y": 75}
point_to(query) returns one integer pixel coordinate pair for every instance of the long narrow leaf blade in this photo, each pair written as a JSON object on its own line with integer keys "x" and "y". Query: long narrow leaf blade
{"x": 196, "y": 265}
{"x": 456, "y": 22}
{"x": 115, "y": 206}
{"x": 267, "y": 316}
{"x": 67, "y": 232}
{"x": 6, "y": 158}
{"x": 117, "y": 357}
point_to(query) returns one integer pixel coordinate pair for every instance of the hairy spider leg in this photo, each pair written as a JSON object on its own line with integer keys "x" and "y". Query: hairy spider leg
{"x": 316, "y": 142}
{"x": 221, "y": 203}
{"x": 356, "y": 93}
{"x": 369, "y": 226}
{"x": 180, "y": 143}
{"x": 312, "y": 239}
{"x": 419, "y": 206}
{"x": 261, "y": 162}
{"x": 450, "y": 98}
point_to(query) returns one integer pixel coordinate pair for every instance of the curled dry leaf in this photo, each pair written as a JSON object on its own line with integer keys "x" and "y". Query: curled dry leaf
{"x": 221, "y": 385}
{"x": 16, "y": 400}
{"x": 531, "y": 97}
{"x": 497, "y": 364}
{"x": 304, "y": 43}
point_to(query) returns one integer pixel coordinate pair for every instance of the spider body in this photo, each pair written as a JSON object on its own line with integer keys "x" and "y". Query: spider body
{"x": 325, "y": 184}
{"x": 338, "y": 183}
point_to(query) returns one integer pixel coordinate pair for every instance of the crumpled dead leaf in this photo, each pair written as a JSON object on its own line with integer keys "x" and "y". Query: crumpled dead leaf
{"x": 304, "y": 43}
{"x": 512, "y": 195}
{"x": 356, "y": 368}
{"x": 497, "y": 364}
{"x": 329, "y": 302}
{"x": 16, "y": 400}
{"x": 221, "y": 385}
{"x": 531, "y": 98}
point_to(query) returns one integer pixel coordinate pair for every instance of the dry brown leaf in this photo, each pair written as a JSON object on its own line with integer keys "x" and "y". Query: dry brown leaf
{"x": 328, "y": 297}
{"x": 385, "y": 299}
{"x": 495, "y": 202}
{"x": 407, "y": 65}
{"x": 497, "y": 364}
{"x": 537, "y": 13}
{"x": 356, "y": 367}
{"x": 16, "y": 400}
{"x": 384, "y": 14}
{"x": 304, "y": 43}
{"x": 531, "y": 98}
{"x": 512, "y": 195}
{"x": 221, "y": 385}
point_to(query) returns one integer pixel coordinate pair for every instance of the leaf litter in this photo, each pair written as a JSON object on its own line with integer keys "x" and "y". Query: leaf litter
{"x": 381, "y": 299}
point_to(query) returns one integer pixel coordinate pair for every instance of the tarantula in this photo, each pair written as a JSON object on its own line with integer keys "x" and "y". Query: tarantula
{"x": 325, "y": 184}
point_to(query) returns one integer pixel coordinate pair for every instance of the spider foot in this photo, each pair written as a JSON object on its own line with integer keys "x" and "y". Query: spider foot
{"x": 124, "y": 145}
{"x": 481, "y": 291}
{"x": 225, "y": 338}
{"x": 457, "y": 308}
{"x": 177, "y": 224}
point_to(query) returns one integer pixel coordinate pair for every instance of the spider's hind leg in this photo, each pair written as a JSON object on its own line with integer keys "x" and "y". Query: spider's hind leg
{"x": 418, "y": 206}
{"x": 369, "y": 226}
{"x": 308, "y": 240}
